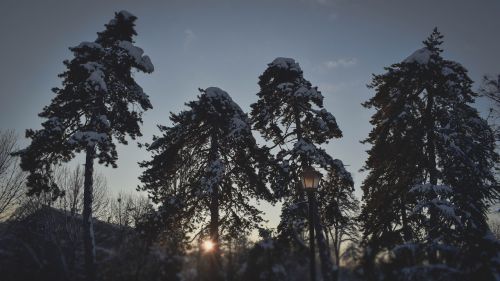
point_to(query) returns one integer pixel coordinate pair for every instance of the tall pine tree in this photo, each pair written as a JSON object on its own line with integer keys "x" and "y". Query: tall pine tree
{"x": 208, "y": 164}
{"x": 290, "y": 113}
{"x": 430, "y": 178}
{"x": 99, "y": 101}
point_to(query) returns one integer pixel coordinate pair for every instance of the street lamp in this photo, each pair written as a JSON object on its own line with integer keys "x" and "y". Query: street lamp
{"x": 310, "y": 181}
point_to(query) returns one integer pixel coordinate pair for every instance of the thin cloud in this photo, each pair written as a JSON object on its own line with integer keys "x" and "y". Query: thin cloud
{"x": 340, "y": 87}
{"x": 322, "y": 3}
{"x": 328, "y": 88}
{"x": 333, "y": 16}
{"x": 343, "y": 62}
{"x": 189, "y": 37}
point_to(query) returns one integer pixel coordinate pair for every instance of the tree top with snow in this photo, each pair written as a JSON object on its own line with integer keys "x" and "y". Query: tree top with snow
{"x": 285, "y": 63}
{"x": 99, "y": 102}
{"x": 421, "y": 56}
{"x": 290, "y": 113}
{"x": 211, "y": 145}
{"x": 431, "y": 50}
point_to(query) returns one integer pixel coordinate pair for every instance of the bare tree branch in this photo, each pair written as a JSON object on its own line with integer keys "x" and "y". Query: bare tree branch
{"x": 11, "y": 176}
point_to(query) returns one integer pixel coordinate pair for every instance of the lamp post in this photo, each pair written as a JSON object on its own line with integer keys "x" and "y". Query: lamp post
{"x": 310, "y": 181}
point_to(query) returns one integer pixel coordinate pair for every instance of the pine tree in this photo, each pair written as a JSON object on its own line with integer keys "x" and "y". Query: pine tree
{"x": 290, "y": 113}
{"x": 99, "y": 101}
{"x": 208, "y": 163}
{"x": 430, "y": 179}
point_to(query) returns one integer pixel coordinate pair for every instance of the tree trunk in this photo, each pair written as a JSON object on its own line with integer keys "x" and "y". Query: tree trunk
{"x": 88, "y": 230}
{"x": 404, "y": 222}
{"x": 336, "y": 245}
{"x": 431, "y": 167}
{"x": 408, "y": 258}
{"x": 230, "y": 267}
{"x": 214, "y": 269}
{"x": 214, "y": 262}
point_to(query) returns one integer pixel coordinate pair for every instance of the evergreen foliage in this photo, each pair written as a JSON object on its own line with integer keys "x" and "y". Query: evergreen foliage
{"x": 99, "y": 102}
{"x": 290, "y": 113}
{"x": 208, "y": 164}
{"x": 430, "y": 178}
{"x": 93, "y": 106}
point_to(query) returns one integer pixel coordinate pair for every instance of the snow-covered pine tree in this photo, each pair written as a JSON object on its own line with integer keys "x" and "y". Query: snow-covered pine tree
{"x": 290, "y": 113}
{"x": 99, "y": 101}
{"x": 430, "y": 178}
{"x": 208, "y": 164}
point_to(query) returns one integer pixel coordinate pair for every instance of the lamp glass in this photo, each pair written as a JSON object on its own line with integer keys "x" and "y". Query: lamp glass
{"x": 310, "y": 178}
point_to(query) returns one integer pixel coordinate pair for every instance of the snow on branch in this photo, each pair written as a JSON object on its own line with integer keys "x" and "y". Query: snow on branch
{"x": 426, "y": 188}
{"x": 215, "y": 93}
{"x": 238, "y": 127}
{"x": 90, "y": 45}
{"x": 341, "y": 171}
{"x": 214, "y": 173}
{"x": 307, "y": 150}
{"x": 96, "y": 76}
{"x": 420, "y": 56}
{"x": 286, "y": 63}
{"x": 143, "y": 62}
{"x": 127, "y": 15}
{"x": 308, "y": 93}
{"x": 89, "y": 137}
{"x": 54, "y": 124}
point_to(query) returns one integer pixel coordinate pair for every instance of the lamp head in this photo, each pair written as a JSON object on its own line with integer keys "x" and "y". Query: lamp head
{"x": 310, "y": 178}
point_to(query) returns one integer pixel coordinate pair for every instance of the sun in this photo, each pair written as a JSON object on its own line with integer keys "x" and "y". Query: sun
{"x": 208, "y": 246}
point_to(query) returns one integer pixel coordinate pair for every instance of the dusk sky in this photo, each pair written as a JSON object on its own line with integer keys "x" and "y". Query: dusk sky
{"x": 228, "y": 44}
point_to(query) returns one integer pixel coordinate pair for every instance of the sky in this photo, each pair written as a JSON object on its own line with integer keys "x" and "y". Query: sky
{"x": 197, "y": 44}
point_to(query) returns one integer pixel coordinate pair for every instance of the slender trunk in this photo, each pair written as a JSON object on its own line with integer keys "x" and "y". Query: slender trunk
{"x": 431, "y": 166}
{"x": 327, "y": 270}
{"x": 88, "y": 230}
{"x": 198, "y": 260}
{"x": 431, "y": 148}
{"x": 214, "y": 219}
{"x": 336, "y": 246}
{"x": 214, "y": 257}
{"x": 230, "y": 269}
{"x": 409, "y": 257}
{"x": 298, "y": 128}
{"x": 404, "y": 222}
{"x": 327, "y": 237}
